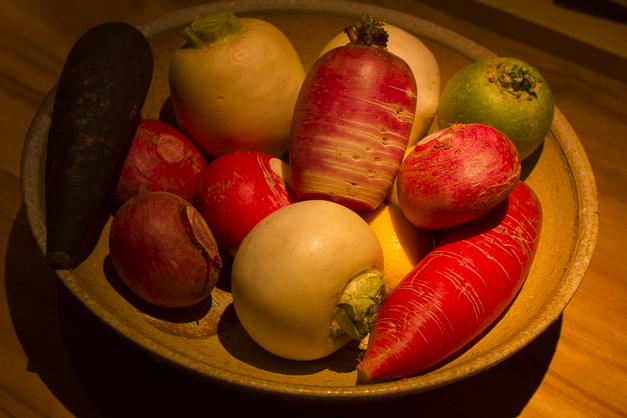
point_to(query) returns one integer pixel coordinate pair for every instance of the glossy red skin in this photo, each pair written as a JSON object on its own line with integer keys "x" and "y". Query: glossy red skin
{"x": 455, "y": 292}
{"x": 163, "y": 250}
{"x": 160, "y": 158}
{"x": 457, "y": 175}
{"x": 351, "y": 126}
{"x": 238, "y": 190}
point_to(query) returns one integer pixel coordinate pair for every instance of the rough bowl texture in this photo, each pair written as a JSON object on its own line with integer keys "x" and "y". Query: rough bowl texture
{"x": 559, "y": 172}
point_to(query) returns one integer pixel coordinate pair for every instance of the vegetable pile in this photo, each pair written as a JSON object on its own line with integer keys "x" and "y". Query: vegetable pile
{"x": 308, "y": 269}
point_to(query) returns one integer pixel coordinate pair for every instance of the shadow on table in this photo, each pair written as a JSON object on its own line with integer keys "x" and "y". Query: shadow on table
{"x": 94, "y": 372}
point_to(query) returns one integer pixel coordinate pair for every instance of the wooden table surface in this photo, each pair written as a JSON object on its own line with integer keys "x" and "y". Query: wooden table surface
{"x": 58, "y": 360}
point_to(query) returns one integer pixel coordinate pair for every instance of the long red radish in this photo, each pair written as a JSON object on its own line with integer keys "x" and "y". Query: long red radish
{"x": 352, "y": 122}
{"x": 455, "y": 292}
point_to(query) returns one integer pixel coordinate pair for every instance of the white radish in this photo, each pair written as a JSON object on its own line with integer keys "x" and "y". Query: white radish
{"x": 307, "y": 279}
{"x": 234, "y": 85}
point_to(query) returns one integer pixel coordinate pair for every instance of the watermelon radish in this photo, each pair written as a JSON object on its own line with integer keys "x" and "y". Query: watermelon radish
{"x": 505, "y": 93}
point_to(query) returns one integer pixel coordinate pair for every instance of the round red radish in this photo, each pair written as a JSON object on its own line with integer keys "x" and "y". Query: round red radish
{"x": 352, "y": 122}
{"x": 163, "y": 250}
{"x": 457, "y": 175}
{"x": 160, "y": 158}
{"x": 238, "y": 190}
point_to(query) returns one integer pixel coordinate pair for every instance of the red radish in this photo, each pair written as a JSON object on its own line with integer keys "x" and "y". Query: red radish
{"x": 160, "y": 158}
{"x": 456, "y": 175}
{"x": 455, "y": 292}
{"x": 163, "y": 250}
{"x": 352, "y": 121}
{"x": 238, "y": 190}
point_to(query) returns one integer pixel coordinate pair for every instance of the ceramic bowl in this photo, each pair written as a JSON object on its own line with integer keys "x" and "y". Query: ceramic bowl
{"x": 207, "y": 339}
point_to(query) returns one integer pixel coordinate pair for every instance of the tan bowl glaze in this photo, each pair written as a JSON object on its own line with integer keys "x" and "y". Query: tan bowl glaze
{"x": 208, "y": 340}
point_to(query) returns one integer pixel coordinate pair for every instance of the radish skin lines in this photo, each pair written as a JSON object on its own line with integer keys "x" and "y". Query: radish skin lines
{"x": 351, "y": 126}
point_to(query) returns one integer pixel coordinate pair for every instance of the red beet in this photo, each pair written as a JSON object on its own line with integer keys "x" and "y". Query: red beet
{"x": 457, "y": 175}
{"x": 160, "y": 158}
{"x": 163, "y": 250}
{"x": 352, "y": 122}
{"x": 455, "y": 292}
{"x": 238, "y": 190}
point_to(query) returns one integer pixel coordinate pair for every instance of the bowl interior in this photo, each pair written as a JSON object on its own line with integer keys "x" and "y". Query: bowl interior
{"x": 208, "y": 340}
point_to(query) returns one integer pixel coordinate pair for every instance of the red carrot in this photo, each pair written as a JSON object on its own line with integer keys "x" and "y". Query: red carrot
{"x": 352, "y": 121}
{"x": 455, "y": 292}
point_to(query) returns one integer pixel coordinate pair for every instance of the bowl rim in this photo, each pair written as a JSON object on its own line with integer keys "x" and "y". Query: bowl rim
{"x": 585, "y": 186}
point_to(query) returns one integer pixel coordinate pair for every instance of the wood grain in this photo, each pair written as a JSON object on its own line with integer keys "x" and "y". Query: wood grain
{"x": 58, "y": 360}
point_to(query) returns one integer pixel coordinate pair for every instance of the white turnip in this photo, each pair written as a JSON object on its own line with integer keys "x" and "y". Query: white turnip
{"x": 234, "y": 84}
{"x": 307, "y": 279}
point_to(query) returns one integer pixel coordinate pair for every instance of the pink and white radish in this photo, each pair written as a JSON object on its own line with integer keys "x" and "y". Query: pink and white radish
{"x": 238, "y": 190}
{"x": 307, "y": 279}
{"x": 160, "y": 158}
{"x": 457, "y": 291}
{"x": 457, "y": 175}
{"x": 163, "y": 250}
{"x": 352, "y": 121}
{"x": 424, "y": 66}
